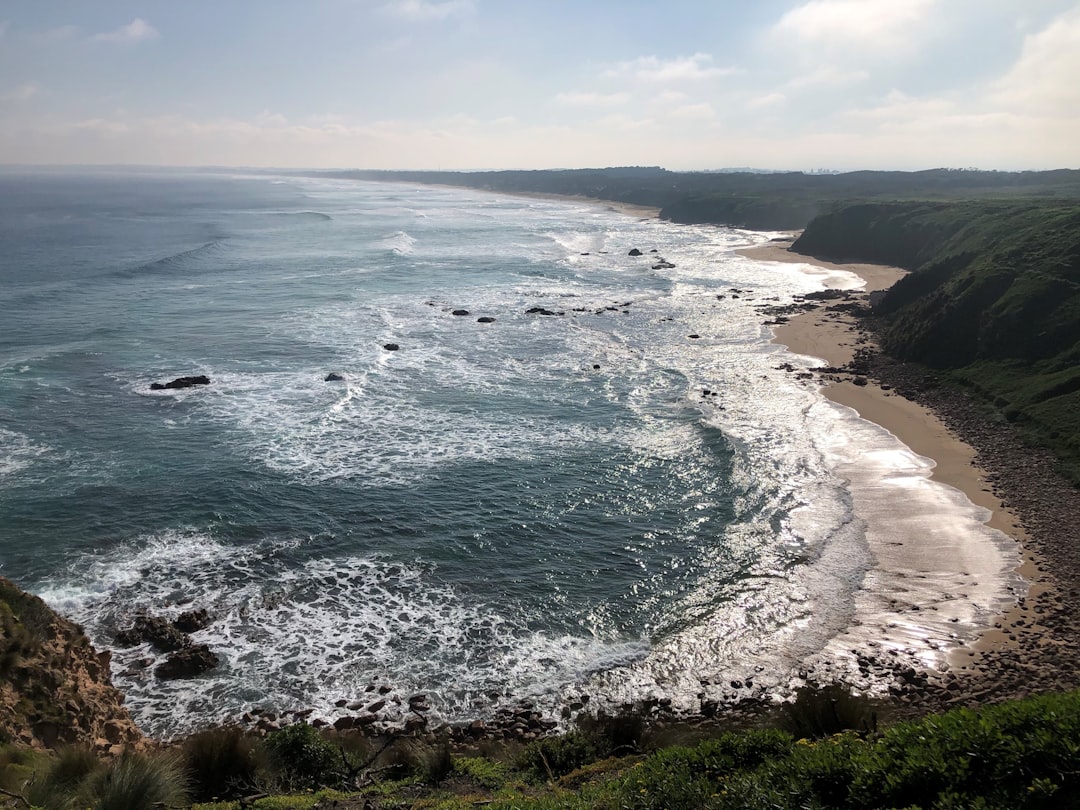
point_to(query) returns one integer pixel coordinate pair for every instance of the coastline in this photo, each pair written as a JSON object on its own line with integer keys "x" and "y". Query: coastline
{"x": 997, "y": 663}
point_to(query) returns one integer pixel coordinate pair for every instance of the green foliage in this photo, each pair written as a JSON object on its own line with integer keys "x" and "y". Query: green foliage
{"x": 24, "y": 625}
{"x": 993, "y": 299}
{"x": 134, "y": 782}
{"x": 486, "y": 773}
{"x": 557, "y": 756}
{"x": 302, "y": 759}
{"x": 221, "y": 763}
{"x": 434, "y": 763}
{"x": 820, "y": 711}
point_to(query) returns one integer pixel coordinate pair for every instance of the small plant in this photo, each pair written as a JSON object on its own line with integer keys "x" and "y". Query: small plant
{"x": 821, "y": 711}
{"x": 485, "y": 773}
{"x": 302, "y": 759}
{"x": 553, "y": 757}
{"x": 434, "y": 764}
{"x": 222, "y": 763}
{"x": 136, "y": 782}
{"x": 57, "y": 786}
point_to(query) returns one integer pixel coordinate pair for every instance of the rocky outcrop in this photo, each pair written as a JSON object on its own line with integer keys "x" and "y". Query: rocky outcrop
{"x": 181, "y": 382}
{"x": 55, "y": 688}
{"x": 187, "y": 663}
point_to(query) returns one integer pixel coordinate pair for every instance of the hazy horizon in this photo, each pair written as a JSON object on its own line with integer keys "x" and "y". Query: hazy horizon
{"x": 474, "y": 85}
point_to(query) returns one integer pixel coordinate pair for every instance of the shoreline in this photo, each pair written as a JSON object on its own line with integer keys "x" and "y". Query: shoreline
{"x": 997, "y": 663}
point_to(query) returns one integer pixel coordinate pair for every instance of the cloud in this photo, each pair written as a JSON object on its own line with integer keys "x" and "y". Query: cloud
{"x": 828, "y": 76}
{"x": 1045, "y": 77}
{"x": 592, "y": 99}
{"x": 771, "y": 100}
{"x": 24, "y": 92}
{"x": 138, "y": 30}
{"x": 866, "y": 25}
{"x": 695, "y": 112}
{"x": 681, "y": 68}
{"x": 427, "y": 10}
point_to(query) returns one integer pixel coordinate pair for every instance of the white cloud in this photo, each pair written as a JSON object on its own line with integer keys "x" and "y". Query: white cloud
{"x": 828, "y": 76}
{"x": 695, "y": 112}
{"x": 681, "y": 68}
{"x": 24, "y": 92}
{"x": 425, "y": 10}
{"x": 592, "y": 99}
{"x": 770, "y": 100}
{"x": 1046, "y": 77}
{"x": 866, "y": 25}
{"x": 671, "y": 97}
{"x": 138, "y": 30}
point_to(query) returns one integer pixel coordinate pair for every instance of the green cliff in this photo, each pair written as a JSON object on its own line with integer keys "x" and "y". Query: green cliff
{"x": 993, "y": 299}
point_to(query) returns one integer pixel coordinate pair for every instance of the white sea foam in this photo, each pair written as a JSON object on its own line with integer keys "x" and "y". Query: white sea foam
{"x": 17, "y": 452}
{"x": 309, "y": 634}
{"x": 399, "y": 242}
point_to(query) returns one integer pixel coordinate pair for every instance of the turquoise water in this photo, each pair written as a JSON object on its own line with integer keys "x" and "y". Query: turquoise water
{"x": 495, "y": 511}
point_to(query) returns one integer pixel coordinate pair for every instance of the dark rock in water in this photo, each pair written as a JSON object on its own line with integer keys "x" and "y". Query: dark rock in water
{"x": 181, "y": 382}
{"x": 460, "y": 312}
{"x": 634, "y": 252}
{"x": 333, "y": 378}
{"x": 693, "y": 337}
{"x": 159, "y": 633}
{"x": 663, "y": 265}
{"x": 596, "y": 366}
{"x": 187, "y": 663}
{"x": 539, "y": 311}
{"x": 485, "y": 319}
{"x": 391, "y": 347}
{"x": 191, "y": 621}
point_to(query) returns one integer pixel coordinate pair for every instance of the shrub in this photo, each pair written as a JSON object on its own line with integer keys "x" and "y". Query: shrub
{"x": 483, "y": 772}
{"x": 821, "y": 711}
{"x": 557, "y": 756}
{"x": 136, "y": 782}
{"x": 222, "y": 763}
{"x": 57, "y": 786}
{"x": 302, "y": 759}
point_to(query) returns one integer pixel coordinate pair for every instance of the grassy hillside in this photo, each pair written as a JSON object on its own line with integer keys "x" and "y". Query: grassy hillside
{"x": 773, "y": 201}
{"x": 1022, "y": 754}
{"x": 993, "y": 299}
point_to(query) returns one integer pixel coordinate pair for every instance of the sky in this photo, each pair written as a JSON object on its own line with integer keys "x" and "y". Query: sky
{"x": 492, "y": 84}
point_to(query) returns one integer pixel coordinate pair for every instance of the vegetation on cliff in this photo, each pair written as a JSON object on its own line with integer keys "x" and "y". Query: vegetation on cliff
{"x": 760, "y": 201}
{"x": 1013, "y": 755}
{"x": 993, "y": 300}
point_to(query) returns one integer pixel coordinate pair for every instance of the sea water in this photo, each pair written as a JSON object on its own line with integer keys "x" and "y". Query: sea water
{"x": 627, "y": 498}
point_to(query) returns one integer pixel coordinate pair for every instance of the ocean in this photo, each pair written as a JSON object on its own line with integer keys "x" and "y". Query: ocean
{"x": 626, "y": 498}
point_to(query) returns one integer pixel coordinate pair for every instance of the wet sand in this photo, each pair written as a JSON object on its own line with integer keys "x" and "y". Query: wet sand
{"x": 1032, "y": 646}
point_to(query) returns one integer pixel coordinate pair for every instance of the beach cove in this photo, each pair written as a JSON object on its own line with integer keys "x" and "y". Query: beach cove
{"x": 732, "y": 534}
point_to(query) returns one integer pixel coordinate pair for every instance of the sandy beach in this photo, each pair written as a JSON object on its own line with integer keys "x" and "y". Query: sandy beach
{"x": 1030, "y": 647}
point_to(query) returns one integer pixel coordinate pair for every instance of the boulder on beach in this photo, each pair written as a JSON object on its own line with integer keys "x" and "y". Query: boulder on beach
{"x": 181, "y": 382}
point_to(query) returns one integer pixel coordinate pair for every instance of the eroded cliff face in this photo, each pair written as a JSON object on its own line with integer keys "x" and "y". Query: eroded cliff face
{"x": 54, "y": 687}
